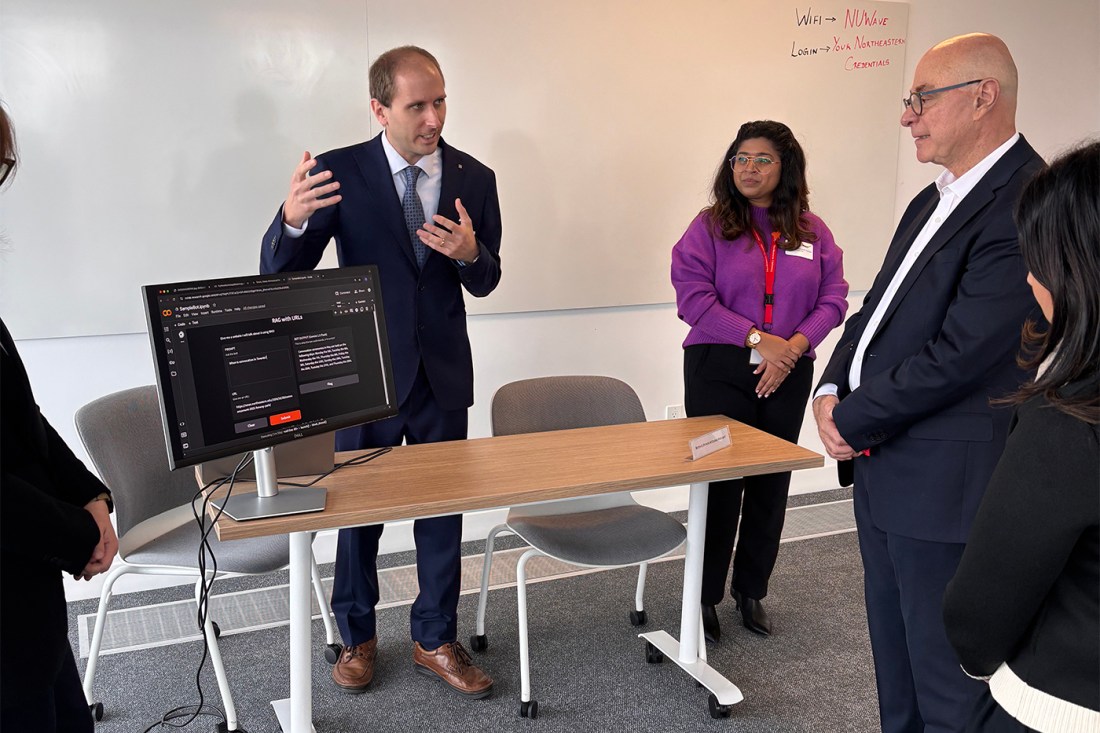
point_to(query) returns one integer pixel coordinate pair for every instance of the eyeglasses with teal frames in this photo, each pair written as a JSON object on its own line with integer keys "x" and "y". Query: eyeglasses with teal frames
{"x": 915, "y": 101}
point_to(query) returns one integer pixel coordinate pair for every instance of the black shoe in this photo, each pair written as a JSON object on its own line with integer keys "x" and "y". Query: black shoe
{"x": 712, "y": 632}
{"x": 753, "y": 614}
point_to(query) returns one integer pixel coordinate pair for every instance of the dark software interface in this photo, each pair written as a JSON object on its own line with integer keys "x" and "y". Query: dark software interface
{"x": 246, "y": 363}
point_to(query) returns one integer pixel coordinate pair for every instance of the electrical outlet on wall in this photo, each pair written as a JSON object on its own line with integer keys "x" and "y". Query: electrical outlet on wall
{"x": 674, "y": 412}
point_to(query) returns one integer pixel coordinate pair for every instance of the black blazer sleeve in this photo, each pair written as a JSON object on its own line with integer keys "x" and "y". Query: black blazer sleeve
{"x": 44, "y": 485}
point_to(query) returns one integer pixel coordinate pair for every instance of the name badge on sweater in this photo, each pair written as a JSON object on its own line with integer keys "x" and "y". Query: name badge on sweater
{"x": 805, "y": 251}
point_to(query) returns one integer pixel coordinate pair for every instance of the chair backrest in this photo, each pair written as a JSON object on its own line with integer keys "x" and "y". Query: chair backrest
{"x": 561, "y": 403}
{"x": 124, "y": 437}
{"x": 545, "y": 404}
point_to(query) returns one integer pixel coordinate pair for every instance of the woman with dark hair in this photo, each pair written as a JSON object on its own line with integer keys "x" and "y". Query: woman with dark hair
{"x": 760, "y": 281}
{"x": 1023, "y": 611}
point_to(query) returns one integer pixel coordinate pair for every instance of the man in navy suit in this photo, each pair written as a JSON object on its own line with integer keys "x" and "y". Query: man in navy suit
{"x": 427, "y": 214}
{"x": 906, "y": 394}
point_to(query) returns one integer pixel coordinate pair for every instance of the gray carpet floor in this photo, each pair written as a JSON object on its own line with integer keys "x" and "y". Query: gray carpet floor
{"x": 588, "y": 667}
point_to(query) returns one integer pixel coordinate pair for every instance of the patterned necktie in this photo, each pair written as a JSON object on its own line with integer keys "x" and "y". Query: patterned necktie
{"x": 414, "y": 214}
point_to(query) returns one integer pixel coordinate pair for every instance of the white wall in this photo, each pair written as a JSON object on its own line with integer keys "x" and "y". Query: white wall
{"x": 266, "y": 78}
{"x": 1057, "y": 48}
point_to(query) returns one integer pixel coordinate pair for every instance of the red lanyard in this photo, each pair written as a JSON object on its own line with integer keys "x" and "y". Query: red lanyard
{"x": 769, "y": 275}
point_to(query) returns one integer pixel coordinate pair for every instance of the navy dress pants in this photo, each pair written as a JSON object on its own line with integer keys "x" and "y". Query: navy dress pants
{"x": 433, "y": 617}
{"x": 989, "y": 717}
{"x": 921, "y": 687}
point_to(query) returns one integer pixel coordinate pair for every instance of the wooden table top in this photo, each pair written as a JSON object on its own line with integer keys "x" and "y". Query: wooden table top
{"x": 484, "y": 473}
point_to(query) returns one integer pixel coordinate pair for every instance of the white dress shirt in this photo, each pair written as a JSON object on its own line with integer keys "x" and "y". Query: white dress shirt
{"x": 952, "y": 191}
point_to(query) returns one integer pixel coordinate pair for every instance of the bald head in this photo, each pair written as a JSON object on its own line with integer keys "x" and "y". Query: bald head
{"x": 969, "y": 108}
{"x": 979, "y": 56}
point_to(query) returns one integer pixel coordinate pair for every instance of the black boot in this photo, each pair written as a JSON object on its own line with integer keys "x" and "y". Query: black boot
{"x": 753, "y": 614}
{"x": 712, "y": 632}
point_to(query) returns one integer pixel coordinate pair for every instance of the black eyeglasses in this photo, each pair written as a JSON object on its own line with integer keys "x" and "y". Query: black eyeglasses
{"x": 760, "y": 162}
{"x": 915, "y": 101}
{"x": 6, "y": 166}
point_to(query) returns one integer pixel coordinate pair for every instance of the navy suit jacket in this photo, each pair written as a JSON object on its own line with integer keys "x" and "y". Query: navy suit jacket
{"x": 946, "y": 345}
{"x": 425, "y": 311}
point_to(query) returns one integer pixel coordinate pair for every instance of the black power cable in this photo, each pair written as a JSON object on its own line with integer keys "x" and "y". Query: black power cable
{"x": 190, "y": 713}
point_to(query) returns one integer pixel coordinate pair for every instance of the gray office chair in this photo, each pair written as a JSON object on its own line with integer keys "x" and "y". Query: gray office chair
{"x": 157, "y": 534}
{"x": 611, "y": 530}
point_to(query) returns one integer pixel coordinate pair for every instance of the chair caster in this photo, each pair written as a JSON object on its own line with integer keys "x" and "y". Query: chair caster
{"x": 529, "y": 709}
{"x": 653, "y": 655}
{"x": 332, "y": 653}
{"x": 637, "y": 618}
{"x": 479, "y": 643}
{"x": 718, "y": 711}
{"x": 96, "y": 709}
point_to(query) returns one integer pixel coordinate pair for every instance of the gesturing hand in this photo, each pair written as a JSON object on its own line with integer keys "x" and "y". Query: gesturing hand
{"x": 306, "y": 192}
{"x": 456, "y": 240}
{"x": 835, "y": 445}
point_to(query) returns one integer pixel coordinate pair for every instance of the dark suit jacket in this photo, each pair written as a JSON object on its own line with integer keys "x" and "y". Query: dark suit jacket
{"x": 44, "y": 530}
{"x": 946, "y": 346}
{"x": 425, "y": 311}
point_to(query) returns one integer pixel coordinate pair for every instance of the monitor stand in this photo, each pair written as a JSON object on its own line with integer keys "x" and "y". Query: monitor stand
{"x": 269, "y": 501}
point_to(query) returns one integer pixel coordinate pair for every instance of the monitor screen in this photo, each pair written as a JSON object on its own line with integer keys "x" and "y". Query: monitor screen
{"x": 246, "y": 363}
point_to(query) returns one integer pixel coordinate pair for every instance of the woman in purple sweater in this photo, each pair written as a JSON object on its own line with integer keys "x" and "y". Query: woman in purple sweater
{"x": 760, "y": 281}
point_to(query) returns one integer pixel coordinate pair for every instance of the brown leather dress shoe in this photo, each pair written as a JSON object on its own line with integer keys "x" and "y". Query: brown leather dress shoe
{"x": 452, "y": 664}
{"x": 355, "y": 668}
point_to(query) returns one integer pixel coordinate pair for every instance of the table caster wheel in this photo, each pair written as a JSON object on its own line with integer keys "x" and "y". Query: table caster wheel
{"x": 332, "y": 653}
{"x": 479, "y": 642}
{"x": 653, "y": 655}
{"x": 718, "y": 711}
{"x": 637, "y": 618}
{"x": 97, "y": 711}
{"x": 529, "y": 709}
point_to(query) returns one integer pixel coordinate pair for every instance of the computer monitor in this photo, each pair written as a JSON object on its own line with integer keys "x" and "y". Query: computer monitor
{"x": 246, "y": 363}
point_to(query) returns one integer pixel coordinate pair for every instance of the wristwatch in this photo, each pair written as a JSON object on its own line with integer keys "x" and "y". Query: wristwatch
{"x": 754, "y": 338}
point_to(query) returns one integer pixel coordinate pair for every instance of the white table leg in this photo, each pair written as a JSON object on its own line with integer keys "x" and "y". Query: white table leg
{"x": 685, "y": 652}
{"x": 300, "y": 708}
{"x": 693, "y": 572}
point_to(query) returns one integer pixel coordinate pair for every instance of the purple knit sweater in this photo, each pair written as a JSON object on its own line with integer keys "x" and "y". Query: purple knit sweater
{"x": 720, "y": 285}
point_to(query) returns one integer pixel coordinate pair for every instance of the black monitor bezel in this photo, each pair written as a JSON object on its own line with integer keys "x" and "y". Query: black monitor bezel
{"x": 166, "y": 398}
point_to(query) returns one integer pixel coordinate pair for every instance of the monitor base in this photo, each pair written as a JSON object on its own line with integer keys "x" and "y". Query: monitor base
{"x": 244, "y": 507}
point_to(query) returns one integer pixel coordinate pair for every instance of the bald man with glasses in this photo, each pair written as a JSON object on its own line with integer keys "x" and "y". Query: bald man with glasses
{"x": 904, "y": 402}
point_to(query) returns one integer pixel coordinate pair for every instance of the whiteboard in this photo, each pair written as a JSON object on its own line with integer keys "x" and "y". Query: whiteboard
{"x": 157, "y": 139}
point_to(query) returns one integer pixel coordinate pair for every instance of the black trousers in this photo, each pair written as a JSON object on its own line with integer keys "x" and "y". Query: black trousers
{"x": 54, "y": 706}
{"x": 718, "y": 379}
